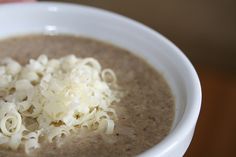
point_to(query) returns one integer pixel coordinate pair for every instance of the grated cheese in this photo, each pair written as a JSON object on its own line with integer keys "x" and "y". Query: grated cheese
{"x": 51, "y": 98}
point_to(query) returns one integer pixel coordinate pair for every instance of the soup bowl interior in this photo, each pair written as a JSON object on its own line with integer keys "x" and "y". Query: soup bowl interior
{"x": 59, "y": 18}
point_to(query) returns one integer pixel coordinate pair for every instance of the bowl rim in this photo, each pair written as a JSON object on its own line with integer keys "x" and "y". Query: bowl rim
{"x": 192, "y": 109}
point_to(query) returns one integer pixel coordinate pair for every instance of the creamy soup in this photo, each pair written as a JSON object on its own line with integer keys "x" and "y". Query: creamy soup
{"x": 145, "y": 113}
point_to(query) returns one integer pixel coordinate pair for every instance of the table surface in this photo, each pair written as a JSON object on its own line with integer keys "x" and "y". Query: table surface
{"x": 215, "y": 134}
{"x": 205, "y": 31}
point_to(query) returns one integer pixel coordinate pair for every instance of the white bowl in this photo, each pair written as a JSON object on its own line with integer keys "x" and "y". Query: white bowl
{"x": 54, "y": 18}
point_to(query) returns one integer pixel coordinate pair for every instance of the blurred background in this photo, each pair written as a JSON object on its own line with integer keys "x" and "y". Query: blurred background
{"x": 206, "y": 32}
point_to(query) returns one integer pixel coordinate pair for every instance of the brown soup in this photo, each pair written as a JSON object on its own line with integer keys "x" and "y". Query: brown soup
{"x": 145, "y": 113}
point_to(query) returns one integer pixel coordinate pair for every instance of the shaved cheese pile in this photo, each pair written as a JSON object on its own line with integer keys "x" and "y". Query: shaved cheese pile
{"x": 49, "y": 99}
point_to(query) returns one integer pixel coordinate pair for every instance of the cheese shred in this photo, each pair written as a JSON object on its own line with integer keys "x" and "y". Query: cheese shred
{"x": 51, "y": 98}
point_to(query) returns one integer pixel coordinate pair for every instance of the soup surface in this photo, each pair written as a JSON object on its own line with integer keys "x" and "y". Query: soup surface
{"x": 145, "y": 113}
